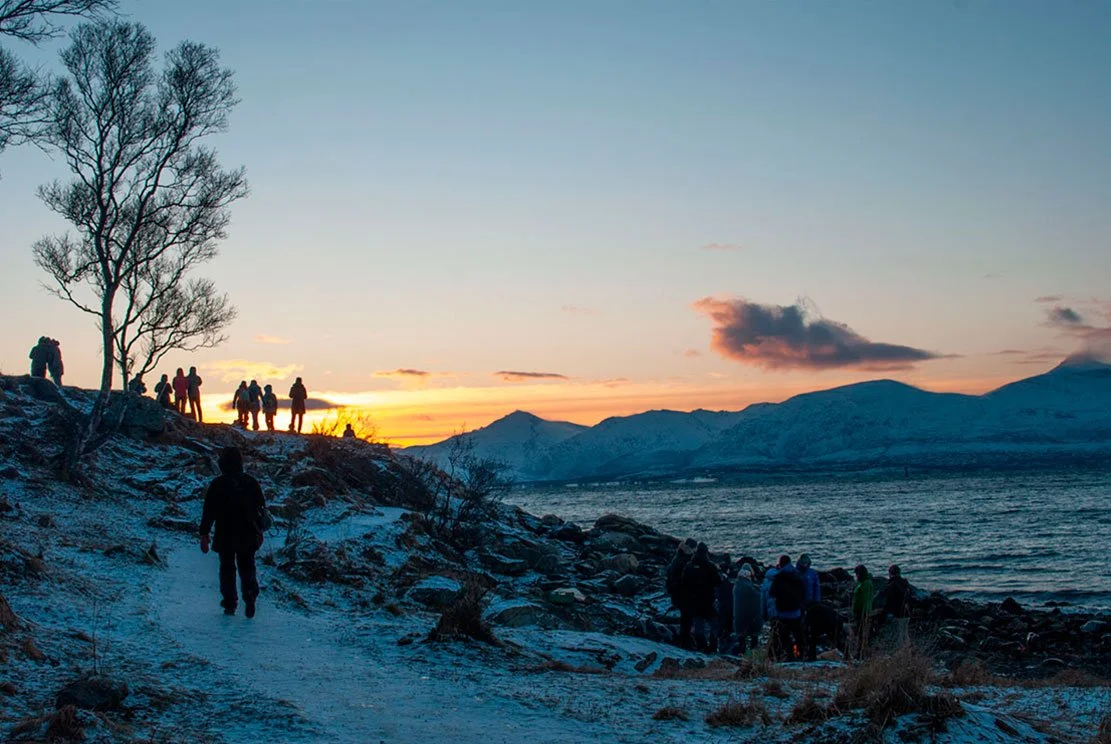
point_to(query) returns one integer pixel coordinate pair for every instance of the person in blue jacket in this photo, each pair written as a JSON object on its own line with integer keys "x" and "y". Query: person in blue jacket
{"x": 813, "y": 587}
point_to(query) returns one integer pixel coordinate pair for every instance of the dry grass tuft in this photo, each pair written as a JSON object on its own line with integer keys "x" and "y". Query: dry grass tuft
{"x": 463, "y": 619}
{"x": 973, "y": 673}
{"x": 887, "y": 687}
{"x": 740, "y": 714}
{"x": 1075, "y": 678}
{"x": 1103, "y": 736}
{"x": 807, "y": 710}
{"x": 670, "y": 713}
{"x": 714, "y": 670}
{"x": 774, "y": 688}
{"x": 64, "y": 726}
{"x": 556, "y": 665}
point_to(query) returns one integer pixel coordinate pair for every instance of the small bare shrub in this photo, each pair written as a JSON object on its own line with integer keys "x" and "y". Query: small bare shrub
{"x": 670, "y": 713}
{"x": 64, "y": 726}
{"x": 807, "y": 710}
{"x": 774, "y": 688}
{"x": 887, "y": 687}
{"x": 740, "y": 714}
{"x": 463, "y": 619}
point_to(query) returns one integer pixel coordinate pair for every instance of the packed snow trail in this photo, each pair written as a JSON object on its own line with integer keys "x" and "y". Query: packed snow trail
{"x": 345, "y": 690}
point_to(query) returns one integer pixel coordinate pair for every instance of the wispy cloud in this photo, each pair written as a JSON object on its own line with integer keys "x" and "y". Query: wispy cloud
{"x": 265, "y": 338}
{"x": 1048, "y": 299}
{"x": 513, "y": 376}
{"x": 692, "y": 353}
{"x": 405, "y": 372}
{"x": 578, "y": 310}
{"x": 723, "y": 247}
{"x": 992, "y": 276}
{"x": 613, "y": 382}
{"x": 233, "y": 370}
{"x": 1064, "y": 317}
{"x": 786, "y": 337}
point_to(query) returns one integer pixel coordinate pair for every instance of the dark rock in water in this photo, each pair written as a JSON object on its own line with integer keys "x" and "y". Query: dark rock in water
{"x": 1010, "y": 605}
{"x": 838, "y": 575}
{"x": 551, "y": 520}
{"x": 93, "y": 693}
{"x": 618, "y": 523}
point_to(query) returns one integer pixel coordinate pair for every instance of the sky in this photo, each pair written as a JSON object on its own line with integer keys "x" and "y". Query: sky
{"x": 586, "y": 209}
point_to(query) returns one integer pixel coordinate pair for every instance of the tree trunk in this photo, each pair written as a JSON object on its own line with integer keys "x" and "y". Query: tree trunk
{"x": 85, "y": 435}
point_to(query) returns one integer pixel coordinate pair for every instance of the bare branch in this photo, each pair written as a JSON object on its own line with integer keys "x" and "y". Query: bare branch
{"x": 37, "y": 20}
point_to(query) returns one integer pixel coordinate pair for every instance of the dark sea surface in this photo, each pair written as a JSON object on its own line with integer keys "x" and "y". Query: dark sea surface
{"x": 1032, "y": 536}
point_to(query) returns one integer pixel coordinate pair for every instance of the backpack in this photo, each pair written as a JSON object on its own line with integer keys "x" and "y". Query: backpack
{"x": 270, "y": 403}
{"x": 789, "y": 591}
{"x": 244, "y": 397}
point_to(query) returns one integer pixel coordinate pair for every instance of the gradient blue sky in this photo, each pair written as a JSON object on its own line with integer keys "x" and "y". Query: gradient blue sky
{"x": 467, "y": 187}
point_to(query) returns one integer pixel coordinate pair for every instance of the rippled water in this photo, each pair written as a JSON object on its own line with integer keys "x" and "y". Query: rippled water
{"x": 1033, "y": 536}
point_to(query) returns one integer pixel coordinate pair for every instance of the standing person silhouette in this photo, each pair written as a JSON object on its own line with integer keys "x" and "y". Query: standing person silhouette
{"x": 181, "y": 390}
{"x": 269, "y": 406}
{"x": 254, "y": 392}
{"x": 54, "y": 362}
{"x": 40, "y": 357}
{"x": 297, "y": 395}
{"x": 194, "y": 392}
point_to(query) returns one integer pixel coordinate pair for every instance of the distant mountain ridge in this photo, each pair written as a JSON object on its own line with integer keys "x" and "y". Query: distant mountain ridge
{"x": 1062, "y": 415}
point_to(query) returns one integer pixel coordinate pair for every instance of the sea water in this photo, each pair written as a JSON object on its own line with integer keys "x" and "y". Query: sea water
{"x": 1037, "y": 537}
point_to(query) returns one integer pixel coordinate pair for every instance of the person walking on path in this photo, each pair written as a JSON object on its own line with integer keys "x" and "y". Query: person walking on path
{"x": 813, "y": 586}
{"x": 863, "y": 594}
{"x": 241, "y": 402}
{"x": 789, "y": 592}
{"x": 194, "y": 392}
{"x": 255, "y": 393}
{"x": 181, "y": 390}
{"x": 748, "y": 611}
{"x": 234, "y": 505}
{"x": 675, "y": 588}
{"x": 297, "y": 396}
{"x": 269, "y": 406}
{"x": 896, "y": 604}
{"x": 54, "y": 361}
{"x": 700, "y": 580}
{"x": 40, "y": 357}
{"x": 163, "y": 391}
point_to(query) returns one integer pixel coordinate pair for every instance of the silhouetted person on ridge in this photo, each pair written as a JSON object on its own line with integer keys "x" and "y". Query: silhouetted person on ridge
{"x": 349, "y": 433}
{"x": 789, "y": 592}
{"x": 748, "y": 610}
{"x": 700, "y": 580}
{"x": 163, "y": 392}
{"x": 863, "y": 594}
{"x": 723, "y": 603}
{"x": 241, "y": 402}
{"x": 194, "y": 392}
{"x": 269, "y": 406}
{"x": 674, "y": 585}
{"x": 54, "y": 361}
{"x": 181, "y": 390}
{"x": 40, "y": 357}
{"x": 234, "y": 504}
{"x": 137, "y": 385}
{"x": 297, "y": 396}
{"x": 255, "y": 392}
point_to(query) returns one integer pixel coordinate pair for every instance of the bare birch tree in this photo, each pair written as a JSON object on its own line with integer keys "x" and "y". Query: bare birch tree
{"x": 23, "y": 93}
{"x": 148, "y": 202}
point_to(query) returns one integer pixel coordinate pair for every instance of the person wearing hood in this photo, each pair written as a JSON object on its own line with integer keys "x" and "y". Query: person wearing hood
{"x": 789, "y": 592}
{"x": 254, "y": 391}
{"x": 137, "y": 386}
{"x": 297, "y": 397}
{"x": 163, "y": 392}
{"x": 748, "y": 611}
{"x": 813, "y": 585}
{"x": 349, "y": 433}
{"x": 700, "y": 580}
{"x": 234, "y": 504}
{"x": 54, "y": 361}
{"x": 674, "y": 586}
{"x": 269, "y": 406}
{"x": 194, "y": 392}
{"x": 241, "y": 402}
{"x": 181, "y": 390}
{"x": 863, "y": 594}
{"x": 40, "y": 357}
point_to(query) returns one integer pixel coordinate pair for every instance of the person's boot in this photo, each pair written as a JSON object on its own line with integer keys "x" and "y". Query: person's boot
{"x": 249, "y": 609}
{"x": 229, "y": 609}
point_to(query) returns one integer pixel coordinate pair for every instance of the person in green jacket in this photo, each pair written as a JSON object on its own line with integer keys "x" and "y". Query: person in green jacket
{"x": 863, "y": 593}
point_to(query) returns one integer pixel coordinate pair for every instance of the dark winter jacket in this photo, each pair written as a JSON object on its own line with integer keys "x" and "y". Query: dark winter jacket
{"x": 162, "y": 391}
{"x": 748, "y": 611}
{"x": 194, "y": 389}
{"x": 181, "y": 386}
{"x": 675, "y": 578}
{"x": 700, "y": 582}
{"x": 255, "y": 394}
{"x": 233, "y": 503}
{"x": 789, "y": 592}
{"x": 40, "y": 357}
{"x": 724, "y": 600}
{"x": 269, "y": 403}
{"x": 54, "y": 361}
{"x": 896, "y": 597}
{"x": 813, "y": 584}
{"x": 298, "y": 394}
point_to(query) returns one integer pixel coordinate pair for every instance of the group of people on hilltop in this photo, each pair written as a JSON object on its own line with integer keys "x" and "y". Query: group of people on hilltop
{"x": 183, "y": 391}
{"x": 723, "y": 606}
{"x": 46, "y": 356}
{"x": 250, "y": 400}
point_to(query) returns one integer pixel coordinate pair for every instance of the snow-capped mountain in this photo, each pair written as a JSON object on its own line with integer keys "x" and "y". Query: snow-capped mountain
{"x": 1063, "y": 414}
{"x": 519, "y": 440}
